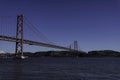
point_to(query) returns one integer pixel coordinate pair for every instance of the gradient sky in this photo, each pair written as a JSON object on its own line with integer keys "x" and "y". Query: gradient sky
{"x": 94, "y": 23}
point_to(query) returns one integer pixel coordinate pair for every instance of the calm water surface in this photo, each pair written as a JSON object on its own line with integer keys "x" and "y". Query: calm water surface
{"x": 59, "y": 68}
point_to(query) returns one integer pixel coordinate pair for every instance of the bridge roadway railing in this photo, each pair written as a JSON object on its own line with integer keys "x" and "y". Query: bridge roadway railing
{"x": 12, "y": 39}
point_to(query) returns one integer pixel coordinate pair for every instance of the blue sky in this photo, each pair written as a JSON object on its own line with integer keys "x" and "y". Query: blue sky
{"x": 94, "y": 23}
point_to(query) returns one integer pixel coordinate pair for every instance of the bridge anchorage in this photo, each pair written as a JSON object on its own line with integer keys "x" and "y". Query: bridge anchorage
{"x": 19, "y": 39}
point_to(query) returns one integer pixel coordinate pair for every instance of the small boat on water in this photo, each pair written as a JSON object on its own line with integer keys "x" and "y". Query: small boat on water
{"x": 21, "y": 57}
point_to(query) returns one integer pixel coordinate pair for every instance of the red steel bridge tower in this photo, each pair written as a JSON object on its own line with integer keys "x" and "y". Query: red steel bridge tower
{"x": 76, "y": 45}
{"x": 19, "y": 36}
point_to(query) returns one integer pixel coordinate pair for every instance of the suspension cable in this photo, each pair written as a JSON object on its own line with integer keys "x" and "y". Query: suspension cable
{"x": 36, "y": 31}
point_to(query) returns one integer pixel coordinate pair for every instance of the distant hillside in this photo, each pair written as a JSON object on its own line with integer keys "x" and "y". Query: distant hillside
{"x": 100, "y": 53}
{"x": 50, "y": 54}
{"x": 104, "y": 53}
{"x": 56, "y": 54}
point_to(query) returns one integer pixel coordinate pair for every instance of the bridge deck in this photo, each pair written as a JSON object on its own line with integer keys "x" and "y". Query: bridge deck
{"x": 12, "y": 39}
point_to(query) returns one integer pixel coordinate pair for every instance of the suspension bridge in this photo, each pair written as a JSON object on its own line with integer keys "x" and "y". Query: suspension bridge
{"x": 20, "y": 38}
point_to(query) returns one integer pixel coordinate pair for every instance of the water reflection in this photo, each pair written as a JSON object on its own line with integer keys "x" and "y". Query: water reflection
{"x": 60, "y": 69}
{"x": 18, "y": 69}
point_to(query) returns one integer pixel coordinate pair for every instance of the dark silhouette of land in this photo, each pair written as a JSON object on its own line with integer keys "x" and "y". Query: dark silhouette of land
{"x": 100, "y": 53}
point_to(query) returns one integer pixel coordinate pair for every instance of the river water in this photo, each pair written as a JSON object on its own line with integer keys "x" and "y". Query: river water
{"x": 60, "y": 68}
